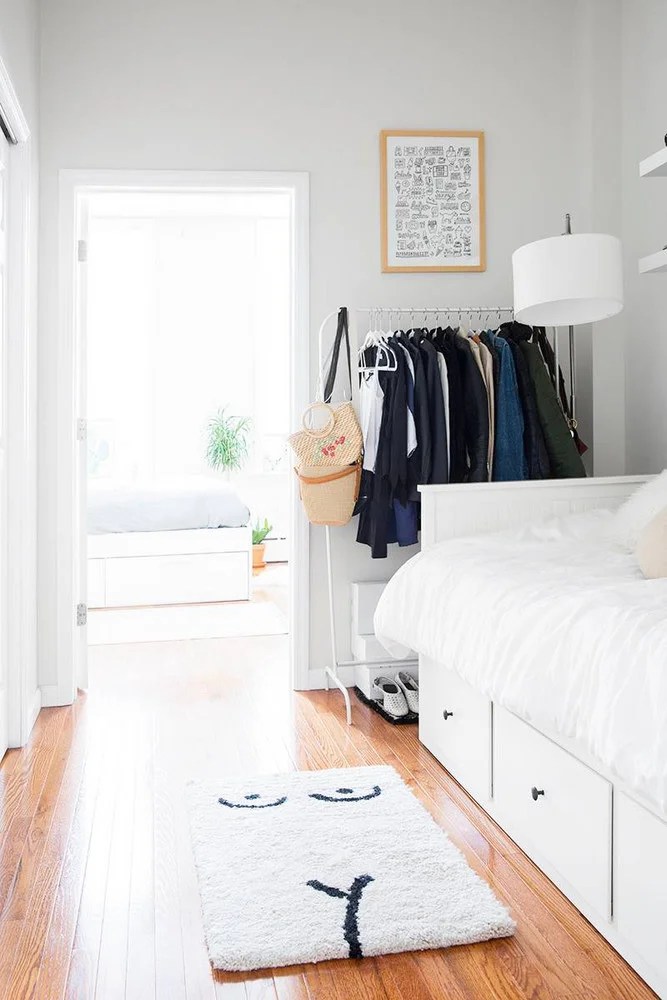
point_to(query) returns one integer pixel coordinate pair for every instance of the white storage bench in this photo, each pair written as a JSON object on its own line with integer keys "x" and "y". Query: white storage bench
{"x": 599, "y": 841}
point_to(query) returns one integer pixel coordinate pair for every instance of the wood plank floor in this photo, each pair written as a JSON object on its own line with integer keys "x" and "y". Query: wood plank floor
{"x": 98, "y": 896}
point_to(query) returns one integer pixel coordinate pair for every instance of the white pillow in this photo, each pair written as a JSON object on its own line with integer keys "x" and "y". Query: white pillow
{"x": 652, "y": 548}
{"x": 632, "y": 516}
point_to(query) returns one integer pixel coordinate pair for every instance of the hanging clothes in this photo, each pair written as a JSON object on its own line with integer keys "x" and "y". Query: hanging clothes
{"x": 564, "y": 459}
{"x": 509, "y": 456}
{"x": 535, "y": 448}
{"x": 475, "y": 412}
{"x": 445, "y": 406}
{"x": 371, "y": 402}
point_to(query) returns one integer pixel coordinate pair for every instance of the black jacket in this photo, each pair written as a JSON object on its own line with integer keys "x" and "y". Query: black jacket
{"x": 439, "y": 471}
{"x": 476, "y": 410}
{"x": 458, "y": 466}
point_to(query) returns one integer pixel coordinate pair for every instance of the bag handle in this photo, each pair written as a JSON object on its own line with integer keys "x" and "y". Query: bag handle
{"x": 342, "y": 330}
{"x": 322, "y": 431}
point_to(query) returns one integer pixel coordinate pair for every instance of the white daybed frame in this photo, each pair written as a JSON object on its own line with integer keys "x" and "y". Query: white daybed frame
{"x": 597, "y": 839}
{"x": 147, "y": 568}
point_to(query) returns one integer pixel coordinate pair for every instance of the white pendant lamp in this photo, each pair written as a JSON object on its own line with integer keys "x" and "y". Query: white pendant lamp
{"x": 566, "y": 281}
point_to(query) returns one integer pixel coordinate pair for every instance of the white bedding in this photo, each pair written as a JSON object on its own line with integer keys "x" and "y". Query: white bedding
{"x": 164, "y": 505}
{"x": 556, "y": 623}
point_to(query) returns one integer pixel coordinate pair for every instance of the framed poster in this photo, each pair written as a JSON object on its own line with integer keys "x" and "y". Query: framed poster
{"x": 432, "y": 209}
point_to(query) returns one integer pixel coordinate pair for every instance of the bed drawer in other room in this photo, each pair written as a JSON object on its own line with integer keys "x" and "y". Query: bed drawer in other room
{"x": 186, "y": 579}
{"x": 555, "y": 807}
{"x": 455, "y": 725}
{"x": 96, "y": 583}
{"x": 640, "y": 881}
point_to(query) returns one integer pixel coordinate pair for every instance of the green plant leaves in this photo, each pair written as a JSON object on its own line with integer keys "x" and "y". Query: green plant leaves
{"x": 227, "y": 446}
{"x": 260, "y": 531}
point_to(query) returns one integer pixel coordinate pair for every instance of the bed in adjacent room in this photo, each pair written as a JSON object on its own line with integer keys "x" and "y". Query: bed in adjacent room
{"x": 183, "y": 541}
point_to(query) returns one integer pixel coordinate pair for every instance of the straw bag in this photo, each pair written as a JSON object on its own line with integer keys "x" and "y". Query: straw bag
{"x": 329, "y": 496}
{"x": 329, "y": 457}
{"x": 338, "y": 442}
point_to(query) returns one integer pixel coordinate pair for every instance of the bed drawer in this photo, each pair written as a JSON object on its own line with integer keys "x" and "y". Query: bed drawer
{"x": 455, "y": 725}
{"x": 177, "y": 579}
{"x": 555, "y": 807}
{"x": 96, "y": 583}
{"x": 640, "y": 881}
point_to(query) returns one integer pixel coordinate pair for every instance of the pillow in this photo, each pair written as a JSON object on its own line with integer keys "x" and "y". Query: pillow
{"x": 639, "y": 509}
{"x": 652, "y": 548}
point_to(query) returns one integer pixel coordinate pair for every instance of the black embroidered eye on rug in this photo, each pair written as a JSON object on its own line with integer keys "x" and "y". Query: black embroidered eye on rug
{"x": 314, "y": 865}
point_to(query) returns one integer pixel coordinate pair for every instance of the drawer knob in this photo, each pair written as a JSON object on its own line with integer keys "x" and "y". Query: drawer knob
{"x": 536, "y": 792}
{"x": 446, "y": 714}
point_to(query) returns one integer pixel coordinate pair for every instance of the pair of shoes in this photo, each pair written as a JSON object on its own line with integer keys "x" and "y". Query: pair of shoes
{"x": 400, "y": 696}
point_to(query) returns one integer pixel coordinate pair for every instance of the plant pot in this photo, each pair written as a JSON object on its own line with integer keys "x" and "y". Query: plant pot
{"x": 258, "y": 562}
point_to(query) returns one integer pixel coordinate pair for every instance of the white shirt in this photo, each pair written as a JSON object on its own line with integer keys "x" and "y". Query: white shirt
{"x": 371, "y": 401}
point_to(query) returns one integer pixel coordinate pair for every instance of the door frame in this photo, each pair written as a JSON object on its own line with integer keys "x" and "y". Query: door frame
{"x": 74, "y": 185}
{"x": 20, "y": 611}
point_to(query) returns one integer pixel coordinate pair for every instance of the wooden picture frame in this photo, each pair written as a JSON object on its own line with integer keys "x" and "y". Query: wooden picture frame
{"x": 432, "y": 210}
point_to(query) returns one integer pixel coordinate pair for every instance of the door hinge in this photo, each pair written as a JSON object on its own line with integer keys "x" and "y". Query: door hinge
{"x": 82, "y": 250}
{"x": 82, "y": 614}
{"x": 81, "y": 429}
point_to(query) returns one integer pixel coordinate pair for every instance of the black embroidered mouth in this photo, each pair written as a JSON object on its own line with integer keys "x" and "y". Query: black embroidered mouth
{"x": 252, "y": 805}
{"x": 346, "y": 795}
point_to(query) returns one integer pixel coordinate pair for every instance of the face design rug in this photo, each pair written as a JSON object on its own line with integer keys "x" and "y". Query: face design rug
{"x": 314, "y": 865}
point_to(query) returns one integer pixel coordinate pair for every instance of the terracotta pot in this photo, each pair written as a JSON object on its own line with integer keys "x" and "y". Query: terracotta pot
{"x": 258, "y": 556}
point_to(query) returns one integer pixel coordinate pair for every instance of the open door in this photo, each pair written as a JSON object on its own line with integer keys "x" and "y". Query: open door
{"x": 81, "y": 465}
{"x": 4, "y": 708}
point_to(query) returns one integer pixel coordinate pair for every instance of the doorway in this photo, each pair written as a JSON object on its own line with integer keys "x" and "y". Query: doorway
{"x": 190, "y": 351}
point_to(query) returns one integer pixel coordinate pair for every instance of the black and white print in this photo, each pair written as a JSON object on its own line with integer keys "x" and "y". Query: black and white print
{"x": 433, "y": 202}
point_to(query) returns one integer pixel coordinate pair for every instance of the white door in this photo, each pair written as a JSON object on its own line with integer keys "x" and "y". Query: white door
{"x": 81, "y": 465}
{"x": 4, "y": 158}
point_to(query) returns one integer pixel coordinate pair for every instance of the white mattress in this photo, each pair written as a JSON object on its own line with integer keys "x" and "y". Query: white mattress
{"x": 164, "y": 505}
{"x": 556, "y": 623}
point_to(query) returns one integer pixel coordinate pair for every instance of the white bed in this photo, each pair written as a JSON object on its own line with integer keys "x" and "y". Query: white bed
{"x": 555, "y": 622}
{"x": 543, "y": 675}
{"x": 167, "y": 542}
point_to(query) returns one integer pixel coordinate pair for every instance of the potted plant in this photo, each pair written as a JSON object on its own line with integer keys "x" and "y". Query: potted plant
{"x": 259, "y": 533}
{"x": 227, "y": 447}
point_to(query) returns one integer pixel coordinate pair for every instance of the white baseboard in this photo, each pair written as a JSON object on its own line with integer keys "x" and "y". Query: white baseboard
{"x": 54, "y": 695}
{"x": 34, "y": 708}
{"x": 30, "y": 718}
{"x": 316, "y": 679}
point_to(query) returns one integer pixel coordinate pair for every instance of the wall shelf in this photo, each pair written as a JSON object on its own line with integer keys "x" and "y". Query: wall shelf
{"x": 654, "y": 262}
{"x": 654, "y": 165}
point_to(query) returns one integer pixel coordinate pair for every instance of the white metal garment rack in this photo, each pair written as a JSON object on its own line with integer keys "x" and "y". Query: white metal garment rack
{"x": 483, "y": 312}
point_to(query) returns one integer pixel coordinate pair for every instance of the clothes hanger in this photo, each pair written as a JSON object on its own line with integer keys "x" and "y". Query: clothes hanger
{"x": 385, "y": 359}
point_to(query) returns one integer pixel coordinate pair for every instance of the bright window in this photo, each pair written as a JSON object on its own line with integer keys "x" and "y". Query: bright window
{"x": 189, "y": 311}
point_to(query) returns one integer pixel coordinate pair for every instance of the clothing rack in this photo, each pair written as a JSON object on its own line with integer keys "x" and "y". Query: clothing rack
{"x": 331, "y": 670}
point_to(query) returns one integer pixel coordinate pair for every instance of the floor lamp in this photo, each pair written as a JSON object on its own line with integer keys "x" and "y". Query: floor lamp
{"x": 566, "y": 281}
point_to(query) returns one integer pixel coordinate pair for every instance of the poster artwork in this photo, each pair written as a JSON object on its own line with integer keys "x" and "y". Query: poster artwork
{"x": 433, "y": 207}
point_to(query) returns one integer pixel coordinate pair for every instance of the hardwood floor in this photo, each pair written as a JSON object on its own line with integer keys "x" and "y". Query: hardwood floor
{"x": 98, "y": 896}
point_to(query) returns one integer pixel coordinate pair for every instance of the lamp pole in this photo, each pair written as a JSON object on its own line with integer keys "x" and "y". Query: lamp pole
{"x": 573, "y": 376}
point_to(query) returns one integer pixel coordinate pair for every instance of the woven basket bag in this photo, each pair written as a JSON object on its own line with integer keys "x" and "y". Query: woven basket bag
{"x": 329, "y": 457}
{"x": 329, "y": 496}
{"x": 338, "y": 442}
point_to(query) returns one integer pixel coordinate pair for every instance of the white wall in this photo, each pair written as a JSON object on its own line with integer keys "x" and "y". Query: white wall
{"x": 644, "y": 123}
{"x": 19, "y": 50}
{"x": 599, "y": 153}
{"x": 212, "y": 84}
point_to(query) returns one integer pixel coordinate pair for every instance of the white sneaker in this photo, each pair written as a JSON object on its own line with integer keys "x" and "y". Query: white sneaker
{"x": 391, "y": 698}
{"x": 410, "y": 688}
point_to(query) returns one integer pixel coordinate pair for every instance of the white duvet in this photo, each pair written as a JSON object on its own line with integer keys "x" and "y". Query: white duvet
{"x": 164, "y": 505}
{"x": 556, "y": 623}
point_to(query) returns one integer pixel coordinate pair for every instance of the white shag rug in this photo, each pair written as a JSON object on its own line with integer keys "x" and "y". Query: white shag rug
{"x": 313, "y": 865}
